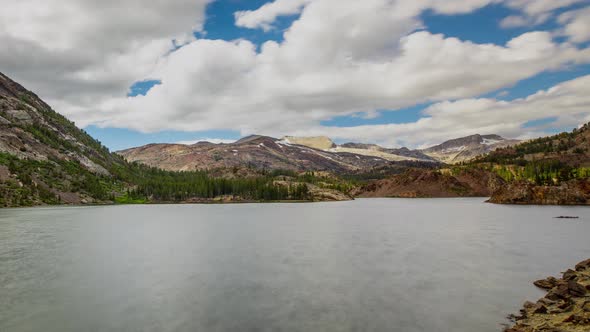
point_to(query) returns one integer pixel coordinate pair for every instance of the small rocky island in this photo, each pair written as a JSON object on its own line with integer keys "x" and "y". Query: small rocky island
{"x": 565, "y": 308}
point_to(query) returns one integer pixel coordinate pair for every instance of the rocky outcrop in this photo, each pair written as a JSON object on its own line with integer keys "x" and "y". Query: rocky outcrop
{"x": 574, "y": 192}
{"x": 416, "y": 183}
{"x": 565, "y": 308}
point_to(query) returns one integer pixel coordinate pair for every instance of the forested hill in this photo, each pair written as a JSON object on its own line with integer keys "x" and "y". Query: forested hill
{"x": 46, "y": 159}
{"x": 548, "y": 170}
{"x": 570, "y": 148}
{"x": 547, "y": 160}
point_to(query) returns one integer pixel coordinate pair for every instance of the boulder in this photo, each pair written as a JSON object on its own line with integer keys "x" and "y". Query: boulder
{"x": 546, "y": 283}
{"x": 583, "y": 265}
{"x": 576, "y": 289}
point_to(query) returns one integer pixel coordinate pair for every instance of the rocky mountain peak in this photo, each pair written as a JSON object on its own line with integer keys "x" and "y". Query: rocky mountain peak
{"x": 315, "y": 142}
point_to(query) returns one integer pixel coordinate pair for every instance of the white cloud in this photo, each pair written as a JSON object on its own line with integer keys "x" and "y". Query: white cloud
{"x": 515, "y": 21}
{"x": 576, "y": 25}
{"x": 264, "y": 16}
{"x": 227, "y": 85}
{"x": 569, "y": 102}
{"x": 534, "y": 12}
{"x": 77, "y": 53}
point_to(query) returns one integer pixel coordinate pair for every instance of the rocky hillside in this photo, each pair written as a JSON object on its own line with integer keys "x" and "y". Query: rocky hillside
{"x": 381, "y": 152}
{"x": 568, "y": 148}
{"x": 45, "y": 158}
{"x": 565, "y": 308}
{"x": 467, "y": 148}
{"x": 416, "y": 183}
{"x": 258, "y": 152}
{"x": 572, "y": 192}
{"x": 29, "y": 128}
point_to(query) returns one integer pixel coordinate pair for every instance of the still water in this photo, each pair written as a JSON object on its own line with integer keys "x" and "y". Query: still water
{"x": 368, "y": 265}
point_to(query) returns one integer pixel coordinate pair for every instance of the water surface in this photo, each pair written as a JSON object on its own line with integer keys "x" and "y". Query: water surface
{"x": 368, "y": 265}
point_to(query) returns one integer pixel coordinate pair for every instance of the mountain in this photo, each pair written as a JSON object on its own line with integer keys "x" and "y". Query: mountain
{"x": 262, "y": 152}
{"x": 46, "y": 159}
{"x": 318, "y": 142}
{"x": 318, "y": 153}
{"x": 571, "y": 149}
{"x": 550, "y": 170}
{"x": 385, "y": 153}
{"x": 466, "y": 148}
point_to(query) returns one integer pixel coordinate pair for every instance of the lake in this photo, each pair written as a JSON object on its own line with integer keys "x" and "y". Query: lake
{"x": 403, "y": 265}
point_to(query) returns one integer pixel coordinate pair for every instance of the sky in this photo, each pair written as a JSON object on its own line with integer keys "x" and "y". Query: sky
{"x": 393, "y": 72}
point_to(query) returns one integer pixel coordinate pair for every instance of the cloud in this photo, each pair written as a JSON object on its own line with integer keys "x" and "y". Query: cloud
{"x": 264, "y": 16}
{"x": 568, "y": 102}
{"x": 77, "y": 53}
{"x": 576, "y": 25}
{"x": 533, "y": 12}
{"x": 228, "y": 85}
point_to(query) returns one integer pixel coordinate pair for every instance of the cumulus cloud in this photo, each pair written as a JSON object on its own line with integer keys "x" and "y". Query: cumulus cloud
{"x": 228, "y": 85}
{"x": 77, "y": 53}
{"x": 264, "y": 16}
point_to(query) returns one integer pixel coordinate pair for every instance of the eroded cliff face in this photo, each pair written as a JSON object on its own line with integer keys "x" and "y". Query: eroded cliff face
{"x": 565, "y": 308}
{"x": 574, "y": 192}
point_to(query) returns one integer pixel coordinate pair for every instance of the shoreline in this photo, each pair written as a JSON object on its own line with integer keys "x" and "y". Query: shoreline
{"x": 565, "y": 307}
{"x": 221, "y": 202}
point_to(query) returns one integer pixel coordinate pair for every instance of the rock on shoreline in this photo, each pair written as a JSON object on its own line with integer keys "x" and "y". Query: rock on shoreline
{"x": 565, "y": 308}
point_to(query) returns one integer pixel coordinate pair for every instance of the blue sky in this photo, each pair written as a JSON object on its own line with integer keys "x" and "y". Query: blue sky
{"x": 481, "y": 26}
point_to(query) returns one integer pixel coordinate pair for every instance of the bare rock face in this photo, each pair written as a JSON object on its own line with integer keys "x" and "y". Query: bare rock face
{"x": 319, "y": 142}
{"x": 565, "y": 308}
{"x": 574, "y": 192}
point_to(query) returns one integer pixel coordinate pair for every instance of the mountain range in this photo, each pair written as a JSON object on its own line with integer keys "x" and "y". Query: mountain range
{"x": 306, "y": 153}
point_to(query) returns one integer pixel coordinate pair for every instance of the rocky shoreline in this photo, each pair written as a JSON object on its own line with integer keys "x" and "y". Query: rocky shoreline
{"x": 565, "y": 308}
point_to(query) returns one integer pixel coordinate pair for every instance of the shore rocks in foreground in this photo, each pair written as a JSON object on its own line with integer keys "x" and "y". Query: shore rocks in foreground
{"x": 565, "y": 308}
